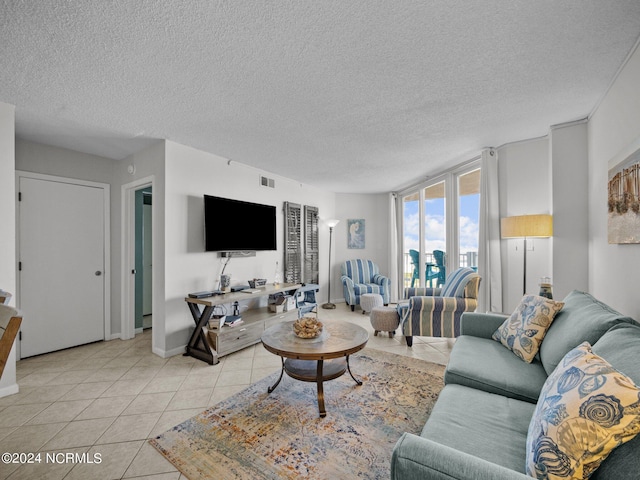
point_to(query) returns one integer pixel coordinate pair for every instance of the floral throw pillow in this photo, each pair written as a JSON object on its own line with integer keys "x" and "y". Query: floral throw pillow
{"x": 585, "y": 410}
{"x": 525, "y": 329}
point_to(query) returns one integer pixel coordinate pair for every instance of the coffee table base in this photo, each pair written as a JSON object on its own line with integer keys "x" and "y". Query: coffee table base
{"x": 317, "y": 371}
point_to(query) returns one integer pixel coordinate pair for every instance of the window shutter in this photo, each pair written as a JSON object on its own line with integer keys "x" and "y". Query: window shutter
{"x": 293, "y": 243}
{"x": 311, "y": 249}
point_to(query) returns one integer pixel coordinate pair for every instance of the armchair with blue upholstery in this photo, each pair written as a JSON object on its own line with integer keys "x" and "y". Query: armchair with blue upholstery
{"x": 436, "y": 312}
{"x": 363, "y": 276}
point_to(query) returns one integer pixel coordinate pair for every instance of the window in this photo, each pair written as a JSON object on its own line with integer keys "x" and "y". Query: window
{"x": 411, "y": 239}
{"x": 468, "y": 218}
{"x": 435, "y": 234}
{"x": 442, "y": 216}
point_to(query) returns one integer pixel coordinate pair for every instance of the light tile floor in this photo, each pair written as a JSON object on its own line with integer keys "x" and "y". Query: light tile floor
{"x": 104, "y": 400}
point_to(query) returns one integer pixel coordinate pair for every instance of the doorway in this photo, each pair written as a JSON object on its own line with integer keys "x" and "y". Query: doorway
{"x": 137, "y": 251}
{"x": 143, "y": 259}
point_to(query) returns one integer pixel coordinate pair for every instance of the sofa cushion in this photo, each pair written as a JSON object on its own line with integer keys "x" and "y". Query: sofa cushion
{"x": 457, "y": 282}
{"x": 524, "y": 330}
{"x": 486, "y": 365}
{"x": 620, "y": 346}
{"x": 582, "y": 319}
{"x": 362, "y": 288}
{"x": 488, "y": 426}
{"x": 586, "y": 409}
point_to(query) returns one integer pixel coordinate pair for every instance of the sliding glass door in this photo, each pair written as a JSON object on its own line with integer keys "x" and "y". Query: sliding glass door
{"x": 468, "y": 218}
{"x": 411, "y": 239}
{"x": 435, "y": 234}
{"x": 440, "y": 227}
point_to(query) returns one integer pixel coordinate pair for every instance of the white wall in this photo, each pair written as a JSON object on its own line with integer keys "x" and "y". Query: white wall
{"x": 8, "y": 383}
{"x": 148, "y": 164}
{"x": 524, "y": 176}
{"x": 7, "y": 199}
{"x": 190, "y": 174}
{"x": 614, "y": 269}
{"x": 49, "y": 160}
{"x": 569, "y": 155}
{"x": 374, "y": 209}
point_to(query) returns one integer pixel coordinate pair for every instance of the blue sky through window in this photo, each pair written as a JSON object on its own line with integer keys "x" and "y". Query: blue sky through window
{"x": 434, "y": 224}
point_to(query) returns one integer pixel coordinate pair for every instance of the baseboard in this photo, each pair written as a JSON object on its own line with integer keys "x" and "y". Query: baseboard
{"x": 9, "y": 390}
{"x": 138, "y": 331}
{"x": 170, "y": 353}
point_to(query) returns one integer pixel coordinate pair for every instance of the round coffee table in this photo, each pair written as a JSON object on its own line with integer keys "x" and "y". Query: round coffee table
{"x": 315, "y": 359}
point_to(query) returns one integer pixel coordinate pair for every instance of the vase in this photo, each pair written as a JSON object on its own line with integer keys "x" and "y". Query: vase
{"x": 225, "y": 283}
{"x": 546, "y": 288}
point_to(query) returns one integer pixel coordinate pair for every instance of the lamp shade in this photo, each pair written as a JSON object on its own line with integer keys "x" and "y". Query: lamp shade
{"x": 527, "y": 226}
{"x": 331, "y": 222}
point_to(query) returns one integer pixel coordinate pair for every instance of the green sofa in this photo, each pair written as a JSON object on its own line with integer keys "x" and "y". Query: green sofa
{"x": 478, "y": 427}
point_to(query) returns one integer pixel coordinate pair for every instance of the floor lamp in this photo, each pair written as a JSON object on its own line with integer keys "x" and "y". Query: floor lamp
{"x": 331, "y": 223}
{"x": 526, "y": 226}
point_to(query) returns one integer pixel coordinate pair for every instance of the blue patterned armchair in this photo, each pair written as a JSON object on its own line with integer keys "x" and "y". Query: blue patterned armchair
{"x": 436, "y": 312}
{"x": 362, "y": 276}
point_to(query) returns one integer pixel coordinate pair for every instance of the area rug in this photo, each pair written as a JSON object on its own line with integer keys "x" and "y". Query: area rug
{"x": 257, "y": 435}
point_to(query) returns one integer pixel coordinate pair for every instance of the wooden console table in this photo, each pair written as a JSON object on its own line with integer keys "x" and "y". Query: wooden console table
{"x": 231, "y": 339}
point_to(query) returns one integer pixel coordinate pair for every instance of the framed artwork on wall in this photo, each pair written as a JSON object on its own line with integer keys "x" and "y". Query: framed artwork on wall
{"x": 623, "y": 200}
{"x": 355, "y": 233}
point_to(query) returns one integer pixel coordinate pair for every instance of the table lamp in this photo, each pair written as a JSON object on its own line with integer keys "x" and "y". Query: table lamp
{"x": 526, "y": 226}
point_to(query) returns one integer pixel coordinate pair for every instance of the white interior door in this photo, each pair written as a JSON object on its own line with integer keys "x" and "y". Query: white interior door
{"x": 62, "y": 257}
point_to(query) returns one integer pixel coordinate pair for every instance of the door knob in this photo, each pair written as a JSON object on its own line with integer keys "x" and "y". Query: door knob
{"x": 98, "y": 273}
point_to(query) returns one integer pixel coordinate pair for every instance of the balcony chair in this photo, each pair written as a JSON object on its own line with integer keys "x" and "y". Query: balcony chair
{"x": 360, "y": 277}
{"x": 431, "y": 271}
{"x": 436, "y": 312}
{"x": 306, "y": 301}
{"x": 440, "y": 259}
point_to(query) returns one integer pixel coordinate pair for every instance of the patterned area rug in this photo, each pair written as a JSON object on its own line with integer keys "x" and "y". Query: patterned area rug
{"x": 255, "y": 435}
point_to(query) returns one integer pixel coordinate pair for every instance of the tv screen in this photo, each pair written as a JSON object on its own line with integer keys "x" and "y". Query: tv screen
{"x": 234, "y": 225}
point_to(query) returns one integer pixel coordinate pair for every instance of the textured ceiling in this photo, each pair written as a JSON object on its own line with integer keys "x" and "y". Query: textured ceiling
{"x": 351, "y": 96}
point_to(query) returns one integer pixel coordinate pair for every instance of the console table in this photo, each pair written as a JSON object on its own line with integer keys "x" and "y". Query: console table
{"x": 231, "y": 339}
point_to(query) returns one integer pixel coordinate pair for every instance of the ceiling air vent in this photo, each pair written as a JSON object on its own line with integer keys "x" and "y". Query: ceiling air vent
{"x": 267, "y": 182}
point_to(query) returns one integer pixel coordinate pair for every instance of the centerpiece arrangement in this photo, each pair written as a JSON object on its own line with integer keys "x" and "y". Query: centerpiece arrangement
{"x": 307, "y": 327}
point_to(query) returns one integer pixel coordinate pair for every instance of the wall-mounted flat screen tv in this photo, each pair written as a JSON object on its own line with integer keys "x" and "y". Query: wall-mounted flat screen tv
{"x": 234, "y": 225}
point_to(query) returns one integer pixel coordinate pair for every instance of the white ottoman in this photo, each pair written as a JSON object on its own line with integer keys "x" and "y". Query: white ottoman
{"x": 384, "y": 319}
{"x": 368, "y": 301}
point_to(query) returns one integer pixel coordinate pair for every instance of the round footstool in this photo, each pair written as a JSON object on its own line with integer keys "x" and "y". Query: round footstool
{"x": 368, "y": 301}
{"x": 384, "y": 319}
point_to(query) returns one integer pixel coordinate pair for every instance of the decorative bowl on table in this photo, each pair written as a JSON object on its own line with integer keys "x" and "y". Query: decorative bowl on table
{"x": 307, "y": 327}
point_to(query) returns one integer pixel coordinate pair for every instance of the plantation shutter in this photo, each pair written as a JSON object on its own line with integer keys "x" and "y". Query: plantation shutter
{"x": 292, "y": 243}
{"x": 311, "y": 249}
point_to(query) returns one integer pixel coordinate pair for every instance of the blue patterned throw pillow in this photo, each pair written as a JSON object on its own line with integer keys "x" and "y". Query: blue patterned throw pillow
{"x": 524, "y": 330}
{"x": 585, "y": 410}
